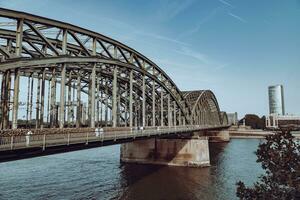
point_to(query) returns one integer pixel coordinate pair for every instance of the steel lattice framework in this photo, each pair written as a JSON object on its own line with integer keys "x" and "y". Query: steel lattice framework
{"x": 120, "y": 86}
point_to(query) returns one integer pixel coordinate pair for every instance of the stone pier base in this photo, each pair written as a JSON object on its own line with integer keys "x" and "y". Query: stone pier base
{"x": 193, "y": 152}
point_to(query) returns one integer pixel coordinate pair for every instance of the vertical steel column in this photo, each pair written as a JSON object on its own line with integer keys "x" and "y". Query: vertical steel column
{"x": 98, "y": 100}
{"x": 202, "y": 117}
{"x": 73, "y": 100}
{"x": 183, "y": 118}
{"x": 62, "y": 96}
{"x": 8, "y": 86}
{"x": 199, "y": 118}
{"x": 16, "y": 99}
{"x": 31, "y": 98}
{"x": 130, "y": 98}
{"x": 125, "y": 105}
{"x": 42, "y": 99}
{"x": 92, "y": 108}
{"x": 114, "y": 100}
{"x": 28, "y": 98}
{"x": 143, "y": 101}
{"x": 161, "y": 107}
{"x": 78, "y": 109}
{"x": 93, "y": 88}
{"x": 119, "y": 106}
{"x": 101, "y": 101}
{"x": 5, "y": 98}
{"x": 89, "y": 101}
{"x": 153, "y": 103}
{"x": 48, "y": 102}
{"x": 7, "y": 92}
{"x": 69, "y": 98}
{"x": 19, "y": 38}
{"x": 179, "y": 117}
{"x": 136, "y": 110}
{"x": 106, "y": 102}
{"x": 63, "y": 81}
{"x": 169, "y": 111}
{"x": 38, "y": 95}
{"x": 175, "y": 113}
{"x": 2, "y": 97}
{"x": 53, "y": 98}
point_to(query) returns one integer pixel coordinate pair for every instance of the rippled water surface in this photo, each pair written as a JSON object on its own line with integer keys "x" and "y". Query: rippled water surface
{"x": 98, "y": 174}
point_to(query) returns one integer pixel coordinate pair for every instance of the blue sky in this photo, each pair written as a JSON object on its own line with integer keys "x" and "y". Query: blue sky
{"x": 234, "y": 48}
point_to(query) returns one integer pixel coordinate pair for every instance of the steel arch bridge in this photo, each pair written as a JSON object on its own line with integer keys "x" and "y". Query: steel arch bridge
{"x": 79, "y": 78}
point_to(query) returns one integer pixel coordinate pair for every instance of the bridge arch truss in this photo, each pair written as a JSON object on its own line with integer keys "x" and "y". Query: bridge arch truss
{"x": 77, "y": 77}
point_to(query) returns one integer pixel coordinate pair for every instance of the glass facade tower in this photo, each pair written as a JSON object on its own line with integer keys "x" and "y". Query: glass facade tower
{"x": 276, "y": 100}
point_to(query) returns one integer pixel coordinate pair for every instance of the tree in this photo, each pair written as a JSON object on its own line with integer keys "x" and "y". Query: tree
{"x": 280, "y": 158}
{"x": 254, "y": 121}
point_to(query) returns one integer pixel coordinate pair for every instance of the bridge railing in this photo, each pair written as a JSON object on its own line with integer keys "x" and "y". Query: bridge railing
{"x": 98, "y": 135}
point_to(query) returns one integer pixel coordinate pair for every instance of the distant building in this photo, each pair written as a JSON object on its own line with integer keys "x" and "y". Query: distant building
{"x": 232, "y": 118}
{"x": 275, "y": 121}
{"x": 276, "y": 100}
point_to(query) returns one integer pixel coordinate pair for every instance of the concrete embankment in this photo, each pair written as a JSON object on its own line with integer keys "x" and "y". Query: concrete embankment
{"x": 253, "y": 133}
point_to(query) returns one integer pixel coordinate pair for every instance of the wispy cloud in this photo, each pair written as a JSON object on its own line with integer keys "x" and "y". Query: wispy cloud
{"x": 194, "y": 54}
{"x": 203, "y": 58}
{"x": 179, "y": 72}
{"x": 200, "y": 22}
{"x": 226, "y": 3}
{"x": 161, "y": 37}
{"x": 172, "y": 8}
{"x": 237, "y": 17}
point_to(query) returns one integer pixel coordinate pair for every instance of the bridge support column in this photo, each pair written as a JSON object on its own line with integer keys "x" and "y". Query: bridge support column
{"x": 78, "y": 96}
{"x": 38, "y": 95}
{"x": 5, "y": 99}
{"x": 42, "y": 99}
{"x": 175, "y": 112}
{"x": 191, "y": 152}
{"x": 101, "y": 84}
{"x": 114, "y": 100}
{"x": 53, "y": 99}
{"x": 169, "y": 112}
{"x": 92, "y": 93}
{"x": 130, "y": 98}
{"x": 106, "y": 103}
{"x": 161, "y": 108}
{"x": 143, "y": 102}
{"x": 16, "y": 100}
{"x": 62, "y": 97}
{"x": 69, "y": 99}
{"x": 153, "y": 103}
{"x": 28, "y": 99}
{"x": 31, "y": 99}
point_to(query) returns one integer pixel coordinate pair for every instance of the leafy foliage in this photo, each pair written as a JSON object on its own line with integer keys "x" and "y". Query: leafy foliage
{"x": 254, "y": 121}
{"x": 280, "y": 158}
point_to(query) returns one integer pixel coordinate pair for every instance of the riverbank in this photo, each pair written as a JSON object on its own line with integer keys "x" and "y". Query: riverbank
{"x": 244, "y": 133}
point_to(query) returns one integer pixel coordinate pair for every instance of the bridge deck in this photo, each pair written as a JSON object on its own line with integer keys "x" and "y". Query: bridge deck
{"x": 16, "y": 146}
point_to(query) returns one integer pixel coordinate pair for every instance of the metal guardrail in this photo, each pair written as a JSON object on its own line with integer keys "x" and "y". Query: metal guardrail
{"x": 46, "y": 140}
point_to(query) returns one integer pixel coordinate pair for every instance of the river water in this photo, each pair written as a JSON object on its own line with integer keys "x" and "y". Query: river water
{"x": 98, "y": 174}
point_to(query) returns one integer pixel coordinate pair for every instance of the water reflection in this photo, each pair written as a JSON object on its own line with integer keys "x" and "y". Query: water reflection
{"x": 98, "y": 174}
{"x": 215, "y": 182}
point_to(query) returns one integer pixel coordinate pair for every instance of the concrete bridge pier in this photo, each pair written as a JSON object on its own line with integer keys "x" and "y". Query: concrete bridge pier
{"x": 190, "y": 151}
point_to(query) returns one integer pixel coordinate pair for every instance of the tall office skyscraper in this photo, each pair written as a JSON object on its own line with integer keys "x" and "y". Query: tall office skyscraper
{"x": 276, "y": 100}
